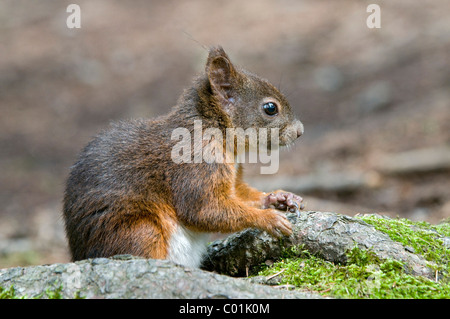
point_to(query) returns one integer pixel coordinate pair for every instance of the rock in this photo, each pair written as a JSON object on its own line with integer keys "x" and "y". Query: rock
{"x": 132, "y": 277}
{"x": 329, "y": 235}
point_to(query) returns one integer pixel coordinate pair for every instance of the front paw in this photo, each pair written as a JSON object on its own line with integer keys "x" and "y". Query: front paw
{"x": 285, "y": 201}
{"x": 276, "y": 224}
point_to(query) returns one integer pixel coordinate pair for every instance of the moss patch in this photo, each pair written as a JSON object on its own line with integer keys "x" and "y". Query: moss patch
{"x": 8, "y": 293}
{"x": 420, "y": 237}
{"x": 50, "y": 293}
{"x": 365, "y": 275}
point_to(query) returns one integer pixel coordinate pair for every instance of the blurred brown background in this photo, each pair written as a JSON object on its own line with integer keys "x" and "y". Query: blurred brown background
{"x": 366, "y": 96}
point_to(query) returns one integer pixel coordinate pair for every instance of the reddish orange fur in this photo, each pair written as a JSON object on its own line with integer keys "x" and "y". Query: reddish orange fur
{"x": 125, "y": 195}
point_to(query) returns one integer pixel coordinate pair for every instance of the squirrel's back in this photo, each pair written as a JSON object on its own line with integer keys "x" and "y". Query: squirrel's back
{"x": 120, "y": 168}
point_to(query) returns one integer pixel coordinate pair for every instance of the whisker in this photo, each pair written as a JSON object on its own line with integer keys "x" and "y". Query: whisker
{"x": 280, "y": 81}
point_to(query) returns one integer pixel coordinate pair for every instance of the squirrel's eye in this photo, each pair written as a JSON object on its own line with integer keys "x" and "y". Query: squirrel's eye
{"x": 270, "y": 108}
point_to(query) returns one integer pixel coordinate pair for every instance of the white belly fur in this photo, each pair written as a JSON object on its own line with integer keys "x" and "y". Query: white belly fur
{"x": 186, "y": 247}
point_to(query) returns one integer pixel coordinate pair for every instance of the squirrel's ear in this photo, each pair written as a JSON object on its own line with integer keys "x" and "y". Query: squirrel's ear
{"x": 221, "y": 73}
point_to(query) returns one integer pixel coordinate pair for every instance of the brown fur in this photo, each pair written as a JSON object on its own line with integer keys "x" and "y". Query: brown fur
{"x": 125, "y": 195}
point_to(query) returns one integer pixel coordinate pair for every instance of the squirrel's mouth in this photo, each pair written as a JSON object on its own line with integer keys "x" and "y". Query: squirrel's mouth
{"x": 291, "y": 133}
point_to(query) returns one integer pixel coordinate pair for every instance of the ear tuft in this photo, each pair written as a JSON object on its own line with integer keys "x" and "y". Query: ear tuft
{"x": 221, "y": 72}
{"x": 215, "y": 52}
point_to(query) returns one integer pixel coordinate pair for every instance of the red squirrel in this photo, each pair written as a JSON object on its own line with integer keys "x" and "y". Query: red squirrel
{"x": 126, "y": 194}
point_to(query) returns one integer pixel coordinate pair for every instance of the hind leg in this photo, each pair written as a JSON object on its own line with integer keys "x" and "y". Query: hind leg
{"x": 140, "y": 232}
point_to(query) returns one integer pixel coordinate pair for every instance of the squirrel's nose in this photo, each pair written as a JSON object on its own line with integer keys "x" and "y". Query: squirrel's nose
{"x": 300, "y": 129}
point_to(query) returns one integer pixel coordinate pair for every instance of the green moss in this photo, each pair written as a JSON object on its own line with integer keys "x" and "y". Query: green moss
{"x": 50, "y": 293}
{"x": 424, "y": 239}
{"x": 54, "y": 293}
{"x": 367, "y": 276}
{"x": 9, "y": 293}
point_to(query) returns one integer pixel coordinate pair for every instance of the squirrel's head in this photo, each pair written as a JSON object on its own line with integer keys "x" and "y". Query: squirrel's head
{"x": 250, "y": 101}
